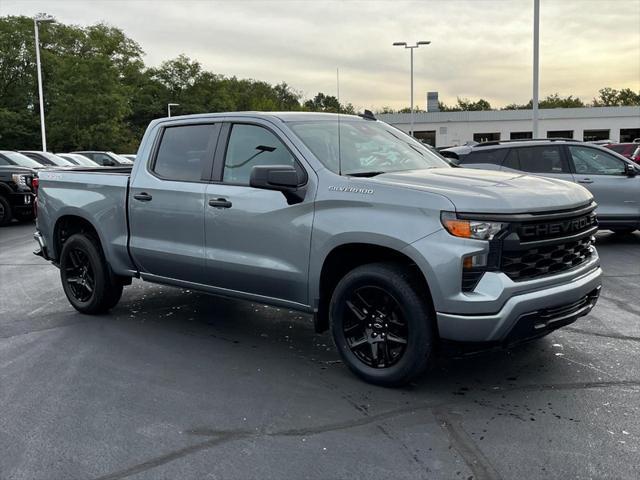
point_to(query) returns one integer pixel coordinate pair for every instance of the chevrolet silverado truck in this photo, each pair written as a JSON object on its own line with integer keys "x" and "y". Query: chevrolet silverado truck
{"x": 344, "y": 217}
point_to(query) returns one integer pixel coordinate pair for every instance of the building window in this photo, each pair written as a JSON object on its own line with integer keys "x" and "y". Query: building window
{"x": 486, "y": 137}
{"x": 560, "y": 134}
{"x": 629, "y": 134}
{"x": 520, "y": 135}
{"x": 426, "y": 136}
{"x": 595, "y": 135}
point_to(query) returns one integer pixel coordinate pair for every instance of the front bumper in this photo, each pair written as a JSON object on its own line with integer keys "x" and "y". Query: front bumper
{"x": 526, "y": 315}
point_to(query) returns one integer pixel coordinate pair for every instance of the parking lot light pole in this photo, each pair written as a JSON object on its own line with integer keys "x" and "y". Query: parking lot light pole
{"x": 40, "y": 95}
{"x": 536, "y": 54}
{"x": 169, "y": 105}
{"x": 411, "y": 48}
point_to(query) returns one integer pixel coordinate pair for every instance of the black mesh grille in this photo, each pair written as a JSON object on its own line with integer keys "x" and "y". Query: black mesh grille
{"x": 546, "y": 260}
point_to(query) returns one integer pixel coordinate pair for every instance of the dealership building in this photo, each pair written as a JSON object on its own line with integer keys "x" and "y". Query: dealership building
{"x": 619, "y": 124}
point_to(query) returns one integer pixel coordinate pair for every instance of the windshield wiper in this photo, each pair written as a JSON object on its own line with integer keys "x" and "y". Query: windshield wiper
{"x": 364, "y": 174}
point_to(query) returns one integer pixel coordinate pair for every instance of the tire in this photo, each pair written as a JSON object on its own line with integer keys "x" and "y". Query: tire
{"x": 5, "y": 212}
{"x": 85, "y": 276}
{"x": 380, "y": 304}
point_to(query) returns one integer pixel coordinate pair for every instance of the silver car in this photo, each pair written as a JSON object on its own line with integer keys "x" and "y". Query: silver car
{"x": 612, "y": 179}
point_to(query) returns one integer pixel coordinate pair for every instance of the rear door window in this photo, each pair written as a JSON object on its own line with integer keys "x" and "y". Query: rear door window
{"x": 542, "y": 159}
{"x": 184, "y": 151}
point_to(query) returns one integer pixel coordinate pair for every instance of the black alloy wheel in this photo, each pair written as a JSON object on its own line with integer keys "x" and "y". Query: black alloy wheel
{"x": 382, "y": 323}
{"x": 86, "y": 279}
{"x": 80, "y": 276}
{"x": 375, "y": 328}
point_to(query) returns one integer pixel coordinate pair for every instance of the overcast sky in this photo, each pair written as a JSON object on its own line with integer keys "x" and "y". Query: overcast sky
{"x": 480, "y": 48}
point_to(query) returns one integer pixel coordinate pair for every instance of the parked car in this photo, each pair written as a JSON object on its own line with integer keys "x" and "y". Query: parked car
{"x": 9, "y": 157}
{"x": 16, "y": 190}
{"x": 78, "y": 159}
{"x": 106, "y": 159}
{"x": 384, "y": 242}
{"x": 128, "y": 156}
{"x": 613, "y": 179}
{"x": 47, "y": 159}
{"x": 628, "y": 150}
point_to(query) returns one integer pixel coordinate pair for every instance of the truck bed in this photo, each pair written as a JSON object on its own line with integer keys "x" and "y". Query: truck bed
{"x": 98, "y": 195}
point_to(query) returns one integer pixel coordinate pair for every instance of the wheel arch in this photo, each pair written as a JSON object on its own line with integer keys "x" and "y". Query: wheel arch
{"x": 345, "y": 257}
{"x": 70, "y": 224}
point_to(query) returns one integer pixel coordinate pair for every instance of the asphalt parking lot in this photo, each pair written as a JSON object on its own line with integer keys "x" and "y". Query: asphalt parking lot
{"x": 176, "y": 384}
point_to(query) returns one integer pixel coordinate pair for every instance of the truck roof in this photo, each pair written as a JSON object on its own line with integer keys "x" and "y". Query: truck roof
{"x": 284, "y": 116}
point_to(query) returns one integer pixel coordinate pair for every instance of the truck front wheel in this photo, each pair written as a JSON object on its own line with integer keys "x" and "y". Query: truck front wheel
{"x": 85, "y": 276}
{"x": 382, "y": 324}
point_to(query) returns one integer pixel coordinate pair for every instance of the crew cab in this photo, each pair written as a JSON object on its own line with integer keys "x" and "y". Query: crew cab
{"x": 344, "y": 217}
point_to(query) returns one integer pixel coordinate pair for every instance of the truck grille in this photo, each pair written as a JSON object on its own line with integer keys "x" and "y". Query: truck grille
{"x": 546, "y": 260}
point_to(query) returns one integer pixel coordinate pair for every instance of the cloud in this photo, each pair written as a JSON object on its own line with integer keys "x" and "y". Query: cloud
{"x": 479, "y": 48}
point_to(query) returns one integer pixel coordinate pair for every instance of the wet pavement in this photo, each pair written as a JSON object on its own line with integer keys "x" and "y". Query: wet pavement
{"x": 177, "y": 384}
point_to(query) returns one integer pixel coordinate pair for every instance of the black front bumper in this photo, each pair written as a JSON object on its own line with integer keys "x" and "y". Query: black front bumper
{"x": 530, "y": 326}
{"x": 538, "y": 324}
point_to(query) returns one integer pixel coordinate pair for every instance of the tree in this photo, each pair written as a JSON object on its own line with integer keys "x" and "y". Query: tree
{"x": 464, "y": 104}
{"x": 610, "y": 97}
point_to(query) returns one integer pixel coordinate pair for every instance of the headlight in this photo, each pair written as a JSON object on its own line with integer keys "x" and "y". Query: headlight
{"x": 477, "y": 229}
{"x": 20, "y": 181}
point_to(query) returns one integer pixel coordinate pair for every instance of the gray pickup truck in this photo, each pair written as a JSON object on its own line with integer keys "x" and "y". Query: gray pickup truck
{"x": 347, "y": 218}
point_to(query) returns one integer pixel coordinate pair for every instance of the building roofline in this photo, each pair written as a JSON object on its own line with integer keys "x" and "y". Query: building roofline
{"x": 510, "y": 115}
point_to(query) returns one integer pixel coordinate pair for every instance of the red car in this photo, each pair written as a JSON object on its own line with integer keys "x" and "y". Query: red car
{"x": 629, "y": 150}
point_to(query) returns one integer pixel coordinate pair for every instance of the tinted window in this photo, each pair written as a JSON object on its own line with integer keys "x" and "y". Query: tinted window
{"x": 39, "y": 159}
{"x": 547, "y": 159}
{"x": 250, "y": 145}
{"x": 512, "y": 160}
{"x": 493, "y": 157}
{"x": 183, "y": 151}
{"x": 4, "y": 161}
{"x": 594, "y": 161}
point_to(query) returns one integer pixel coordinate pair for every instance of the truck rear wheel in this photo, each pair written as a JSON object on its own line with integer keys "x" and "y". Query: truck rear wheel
{"x": 5, "y": 212}
{"x": 85, "y": 276}
{"x": 382, "y": 324}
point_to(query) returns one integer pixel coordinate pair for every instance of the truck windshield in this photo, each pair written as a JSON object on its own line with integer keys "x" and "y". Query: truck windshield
{"x": 21, "y": 160}
{"x": 367, "y": 148}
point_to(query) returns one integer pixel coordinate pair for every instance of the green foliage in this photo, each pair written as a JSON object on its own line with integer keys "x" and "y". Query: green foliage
{"x": 609, "y": 97}
{"x": 99, "y": 94}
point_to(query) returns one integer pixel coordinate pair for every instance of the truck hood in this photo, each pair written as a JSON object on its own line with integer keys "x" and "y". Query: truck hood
{"x": 485, "y": 191}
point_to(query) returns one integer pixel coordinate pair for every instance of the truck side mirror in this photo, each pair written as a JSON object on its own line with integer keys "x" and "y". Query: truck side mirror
{"x": 282, "y": 178}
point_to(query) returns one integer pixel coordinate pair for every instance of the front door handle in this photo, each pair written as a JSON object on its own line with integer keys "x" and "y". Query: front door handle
{"x": 585, "y": 180}
{"x": 143, "y": 197}
{"x": 220, "y": 203}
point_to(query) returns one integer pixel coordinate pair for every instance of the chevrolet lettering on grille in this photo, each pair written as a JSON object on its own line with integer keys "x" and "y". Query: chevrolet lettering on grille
{"x": 558, "y": 228}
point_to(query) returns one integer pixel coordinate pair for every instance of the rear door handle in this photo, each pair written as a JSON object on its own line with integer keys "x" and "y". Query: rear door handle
{"x": 143, "y": 197}
{"x": 220, "y": 203}
{"x": 585, "y": 180}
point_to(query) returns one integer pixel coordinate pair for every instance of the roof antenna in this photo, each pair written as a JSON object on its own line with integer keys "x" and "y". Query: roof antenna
{"x": 338, "y": 89}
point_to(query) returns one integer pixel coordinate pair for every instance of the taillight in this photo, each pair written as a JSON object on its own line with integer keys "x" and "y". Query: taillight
{"x": 34, "y": 184}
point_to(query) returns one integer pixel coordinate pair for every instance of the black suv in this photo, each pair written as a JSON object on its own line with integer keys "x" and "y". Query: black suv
{"x": 16, "y": 188}
{"x": 612, "y": 179}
